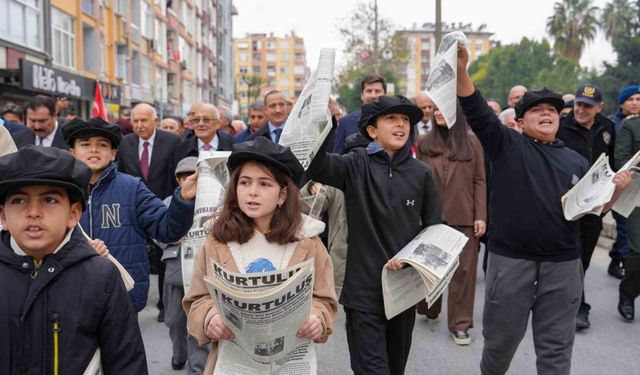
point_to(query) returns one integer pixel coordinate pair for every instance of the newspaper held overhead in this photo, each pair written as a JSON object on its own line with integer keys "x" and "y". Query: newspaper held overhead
{"x": 213, "y": 177}
{"x": 433, "y": 258}
{"x": 309, "y": 122}
{"x": 595, "y": 189}
{"x": 264, "y": 311}
{"x": 441, "y": 84}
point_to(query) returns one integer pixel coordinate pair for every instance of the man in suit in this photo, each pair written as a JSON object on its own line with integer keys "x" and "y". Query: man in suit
{"x": 205, "y": 121}
{"x": 424, "y": 102}
{"x": 152, "y": 168}
{"x": 257, "y": 120}
{"x": 276, "y": 111}
{"x": 145, "y": 153}
{"x": 41, "y": 119}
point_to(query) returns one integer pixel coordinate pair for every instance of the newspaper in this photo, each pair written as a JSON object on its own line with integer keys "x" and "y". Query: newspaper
{"x": 264, "y": 311}
{"x": 441, "y": 84}
{"x": 213, "y": 177}
{"x": 433, "y": 258}
{"x": 630, "y": 199}
{"x": 309, "y": 122}
{"x": 595, "y": 190}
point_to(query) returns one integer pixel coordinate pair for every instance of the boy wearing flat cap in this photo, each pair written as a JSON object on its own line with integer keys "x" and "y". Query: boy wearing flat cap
{"x": 534, "y": 261}
{"x": 121, "y": 210}
{"x": 59, "y": 301}
{"x": 390, "y": 197}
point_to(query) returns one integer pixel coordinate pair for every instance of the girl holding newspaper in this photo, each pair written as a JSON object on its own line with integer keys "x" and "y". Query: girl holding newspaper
{"x": 261, "y": 228}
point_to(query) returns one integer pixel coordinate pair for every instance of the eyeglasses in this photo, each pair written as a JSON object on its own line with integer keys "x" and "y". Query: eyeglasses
{"x": 204, "y": 120}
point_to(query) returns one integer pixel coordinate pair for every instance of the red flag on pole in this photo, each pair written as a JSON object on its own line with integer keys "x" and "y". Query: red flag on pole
{"x": 98, "y": 104}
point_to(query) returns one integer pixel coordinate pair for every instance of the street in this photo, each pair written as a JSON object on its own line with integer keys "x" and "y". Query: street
{"x": 609, "y": 347}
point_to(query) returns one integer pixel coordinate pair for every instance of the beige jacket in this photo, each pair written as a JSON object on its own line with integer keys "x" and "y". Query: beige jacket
{"x": 200, "y": 307}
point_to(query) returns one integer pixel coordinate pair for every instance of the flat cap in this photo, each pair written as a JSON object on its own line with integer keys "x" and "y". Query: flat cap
{"x": 263, "y": 150}
{"x": 92, "y": 128}
{"x": 386, "y": 105}
{"x": 534, "y": 97}
{"x": 37, "y": 165}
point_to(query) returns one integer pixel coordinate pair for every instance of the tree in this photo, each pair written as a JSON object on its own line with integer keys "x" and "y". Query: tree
{"x": 620, "y": 23}
{"x": 366, "y": 36}
{"x": 564, "y": 76}
{"x": 618, "y": 19}
{"x": 573, "y": 23}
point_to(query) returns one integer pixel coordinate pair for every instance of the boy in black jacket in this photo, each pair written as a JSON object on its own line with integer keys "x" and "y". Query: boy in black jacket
{"x": 60, "y": 301}
{"x": 390, "y": 197}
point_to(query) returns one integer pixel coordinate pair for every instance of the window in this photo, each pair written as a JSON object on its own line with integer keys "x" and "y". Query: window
{"x": 284, "y": 44}
{"x": 88, "y": 6}
{"x": 242, "y": 56}
{"x": 284, "y": 69}
{"x": 121, "y": 7}
{"x": 244, "y": 69}
{"x": 271, "y": 45}
{"x": 284, "y": 56}
{"x": 63, "y": 38}
{"x": 243, "y": 45}
{"x": 256, "y": 70}
{"x": 284, "y": 82}
{"x": 271, "y": 57}
{"x": 147, "y": 21}
{"x": 91, "y": 47}
{"x": 20, "y": 22}
{"x": 425, "y": 44}
{"x": 298, "y": 69}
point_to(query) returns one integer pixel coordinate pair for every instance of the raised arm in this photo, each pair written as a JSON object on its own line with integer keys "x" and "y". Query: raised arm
{"x": 481, "y": 118}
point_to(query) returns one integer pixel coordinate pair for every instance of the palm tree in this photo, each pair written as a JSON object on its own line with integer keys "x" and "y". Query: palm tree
{"x": 617, "y": 19}
{"x": 573, "y": 23}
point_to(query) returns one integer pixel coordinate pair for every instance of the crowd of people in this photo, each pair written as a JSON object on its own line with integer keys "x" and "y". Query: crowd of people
{"x": 74, "y": 192}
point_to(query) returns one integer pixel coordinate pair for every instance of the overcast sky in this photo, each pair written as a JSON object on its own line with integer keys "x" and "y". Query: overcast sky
{"x": 316, "y": 21}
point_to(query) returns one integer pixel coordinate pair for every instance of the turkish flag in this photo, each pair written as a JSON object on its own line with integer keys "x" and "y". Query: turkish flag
{"x": 98, "y": 104}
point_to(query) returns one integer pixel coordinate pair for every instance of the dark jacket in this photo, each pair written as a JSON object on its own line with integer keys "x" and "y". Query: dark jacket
{"x": 262, "y": 132}
{"x": 189, "y": 147}
{"x": 590, "y": 143}
{"x": 347, "y": 125}
{"x": 388, "y": 201}
{"x": 528, "y": 178}
{"x": 242, "y": 136}
{"x": 627, "y": 144}
{"x": 80, "y": 291}
{"x": 160, "y": 178}
{"x": 617, "y": 119}
{"x": 122, "y": 212}
{"x": 12, "y": 127}
{"x": 24, "y": 138}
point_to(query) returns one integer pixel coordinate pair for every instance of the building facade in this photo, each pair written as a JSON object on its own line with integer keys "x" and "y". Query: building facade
{"x": 421, "y": 42}
{"x": 266, "y": 62}
{"x": 167, "y": 53}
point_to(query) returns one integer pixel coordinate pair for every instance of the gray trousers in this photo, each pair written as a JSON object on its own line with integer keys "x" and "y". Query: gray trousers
{"x": 551, "y": 292}
{"x": 185, "y": 347}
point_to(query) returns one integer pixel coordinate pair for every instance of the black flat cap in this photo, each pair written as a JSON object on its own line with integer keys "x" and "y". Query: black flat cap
{"x": 535, "y": 97}
{"x": 385, "y": 105}
{"x": 36, "y": 165}
{"x": 263, "y": 150}
{"x": 92, "y": 127}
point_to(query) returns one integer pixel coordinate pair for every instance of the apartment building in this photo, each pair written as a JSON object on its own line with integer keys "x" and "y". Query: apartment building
{"x": 267, "y": 62}
{"x": 168, "y": 53}
{"x": 421, "y": 42}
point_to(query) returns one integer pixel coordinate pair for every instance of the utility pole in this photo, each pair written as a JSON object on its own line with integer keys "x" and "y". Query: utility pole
{"x": 375, "y": 37}
{"x": 438, "y": 23}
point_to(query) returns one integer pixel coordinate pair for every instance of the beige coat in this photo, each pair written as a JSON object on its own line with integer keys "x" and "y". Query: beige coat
{"x": 6, "y": 142}
{"x": 200, "y": 307}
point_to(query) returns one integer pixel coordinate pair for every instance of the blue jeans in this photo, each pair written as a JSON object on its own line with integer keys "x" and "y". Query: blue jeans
{"x": 620, "y": 247}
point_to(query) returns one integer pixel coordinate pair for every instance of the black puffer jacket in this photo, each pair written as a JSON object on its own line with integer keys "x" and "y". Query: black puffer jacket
{"x": 78, "y": 292}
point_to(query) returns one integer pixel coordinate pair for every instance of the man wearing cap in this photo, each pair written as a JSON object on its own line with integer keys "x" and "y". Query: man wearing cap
{"x": 590, "y": 134}
{"x": 629, "y": 105}
{"x": 534, "y": 261}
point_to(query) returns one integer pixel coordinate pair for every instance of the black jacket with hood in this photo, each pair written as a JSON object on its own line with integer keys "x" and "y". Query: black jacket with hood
{"x": 388, "y": 201}
{"x": 75, "y": 295}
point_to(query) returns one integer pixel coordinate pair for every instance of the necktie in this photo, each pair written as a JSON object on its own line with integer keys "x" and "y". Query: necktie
{"x": 40, "y": 141}
{"x": 277, "y": 132}
{"x": 206, "y": 147}
{"x": 144, "y": 160}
